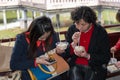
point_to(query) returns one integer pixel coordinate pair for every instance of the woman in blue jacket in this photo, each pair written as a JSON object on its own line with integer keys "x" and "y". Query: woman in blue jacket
{"x": 31, "y": 44}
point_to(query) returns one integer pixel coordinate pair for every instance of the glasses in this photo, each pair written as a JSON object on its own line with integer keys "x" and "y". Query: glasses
{"x": 83, "y": 23}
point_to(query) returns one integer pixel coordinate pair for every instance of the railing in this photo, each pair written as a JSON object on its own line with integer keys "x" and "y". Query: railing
{"x": 110, "y": 3}
{"x": 64, "y": 32}
{"x": 59, "y": 4}
{"x": 109, "y": 26}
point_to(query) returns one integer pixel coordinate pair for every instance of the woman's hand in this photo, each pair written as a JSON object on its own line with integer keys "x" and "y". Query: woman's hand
{"x": 59, "y": 50}
{"x": 82, "y": 54}
{"x": 42, "y": 60}
{"x": 76, "y": 37}
{"x": 113, "y": 49}
{"x": 118, "y": 64}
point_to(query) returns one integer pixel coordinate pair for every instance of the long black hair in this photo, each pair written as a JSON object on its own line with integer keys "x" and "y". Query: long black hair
{"x": 85, "y": 13}
{"x": 36, "y": 29}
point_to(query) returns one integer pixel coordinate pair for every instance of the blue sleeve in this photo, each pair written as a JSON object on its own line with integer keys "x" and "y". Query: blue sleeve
{"x": 19, "y": 59}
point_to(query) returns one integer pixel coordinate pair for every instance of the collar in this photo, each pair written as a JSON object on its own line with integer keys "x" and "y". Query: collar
{"x": 89, "y": 30}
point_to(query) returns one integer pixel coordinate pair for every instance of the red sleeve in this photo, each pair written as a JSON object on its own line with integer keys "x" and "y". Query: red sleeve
{"x": 35, "y": 64}
{"x": 117, "y": 45}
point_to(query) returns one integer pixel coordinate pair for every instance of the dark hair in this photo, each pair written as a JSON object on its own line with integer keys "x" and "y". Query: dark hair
{"x": 85, "y": 13}
{"x": 118, "y": 16}
{"x": 37, "y": 28}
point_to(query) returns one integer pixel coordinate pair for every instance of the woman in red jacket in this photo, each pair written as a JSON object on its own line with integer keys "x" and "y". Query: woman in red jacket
{"x": 116, "y": 47}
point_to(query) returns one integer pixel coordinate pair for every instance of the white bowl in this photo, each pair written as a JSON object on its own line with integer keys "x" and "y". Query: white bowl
{"x": 79, "y": 48}
{"x": 62, "y": 45}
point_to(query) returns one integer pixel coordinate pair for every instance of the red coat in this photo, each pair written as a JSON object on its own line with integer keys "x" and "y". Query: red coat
{"x": 117, "y": 45}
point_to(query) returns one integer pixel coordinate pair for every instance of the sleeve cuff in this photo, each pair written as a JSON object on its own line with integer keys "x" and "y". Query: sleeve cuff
{"x": 35, "y": 64}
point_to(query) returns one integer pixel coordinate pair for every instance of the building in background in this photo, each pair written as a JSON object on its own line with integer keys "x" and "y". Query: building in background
{"x": 50, "y": 8}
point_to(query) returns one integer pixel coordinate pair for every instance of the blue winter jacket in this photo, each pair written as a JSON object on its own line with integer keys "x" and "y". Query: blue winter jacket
{"x": 19, "y": 60}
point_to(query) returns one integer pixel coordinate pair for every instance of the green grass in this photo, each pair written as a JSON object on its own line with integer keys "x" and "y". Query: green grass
{"x": 10, "y": 33}
{"x": 12, "y": 15}
{"x": 108, "y": 16}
